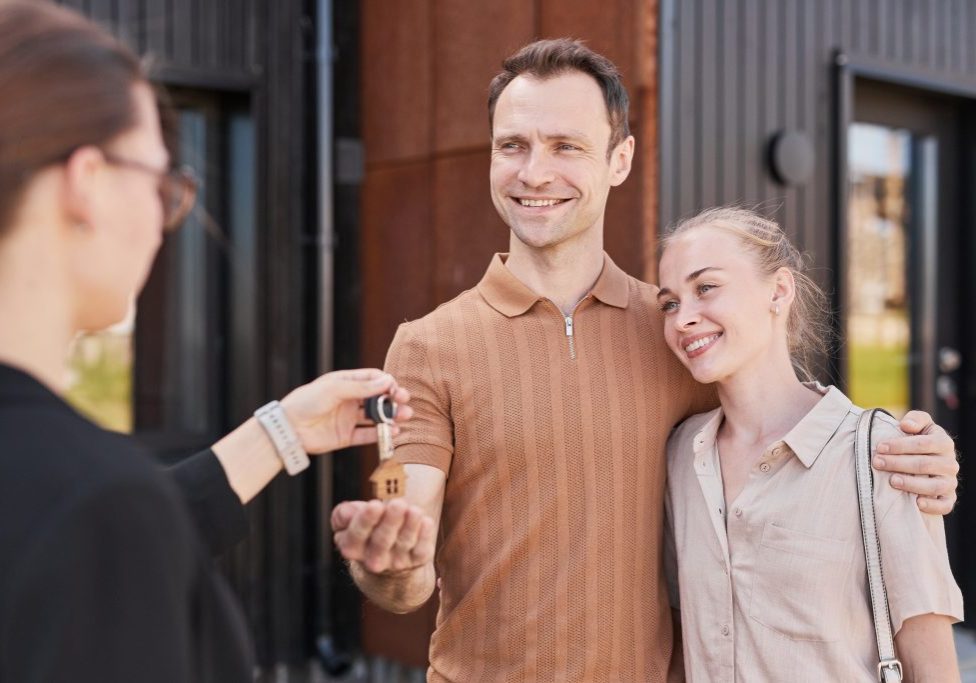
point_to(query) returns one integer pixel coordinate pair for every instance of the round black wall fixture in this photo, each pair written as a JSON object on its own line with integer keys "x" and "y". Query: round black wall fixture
{"x": 791, "y": 157}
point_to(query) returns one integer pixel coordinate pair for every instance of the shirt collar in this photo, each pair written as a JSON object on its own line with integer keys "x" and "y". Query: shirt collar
{"x": 810, "y": 435}
{"x": 807, "y": 439}
{"x": 511, "y": 297}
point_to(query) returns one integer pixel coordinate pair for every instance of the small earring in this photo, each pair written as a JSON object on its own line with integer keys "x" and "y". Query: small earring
{"x": 775, "y": 309}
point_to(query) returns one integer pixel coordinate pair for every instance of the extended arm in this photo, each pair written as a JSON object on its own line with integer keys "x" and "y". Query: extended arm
{"x": 325, "y": 413}
{"x": 390, "y": 547}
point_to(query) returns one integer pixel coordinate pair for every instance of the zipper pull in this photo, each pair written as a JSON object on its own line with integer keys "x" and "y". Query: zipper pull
{"x": 569, "y": 337}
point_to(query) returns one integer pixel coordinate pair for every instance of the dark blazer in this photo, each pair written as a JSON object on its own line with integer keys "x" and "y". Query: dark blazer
{"x": 105, "y": 569}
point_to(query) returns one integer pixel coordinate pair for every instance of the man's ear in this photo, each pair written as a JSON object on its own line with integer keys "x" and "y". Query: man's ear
{"x": 621, "y": 161}
{"x": 81, "y": 172}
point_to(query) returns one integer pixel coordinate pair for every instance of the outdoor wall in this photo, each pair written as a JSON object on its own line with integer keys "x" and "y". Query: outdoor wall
{"x": 735, "y": 73}
{"x": 428, "y": 225}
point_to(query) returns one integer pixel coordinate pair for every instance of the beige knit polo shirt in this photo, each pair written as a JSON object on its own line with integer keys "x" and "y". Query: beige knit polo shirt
{"x": 552, "y": 432}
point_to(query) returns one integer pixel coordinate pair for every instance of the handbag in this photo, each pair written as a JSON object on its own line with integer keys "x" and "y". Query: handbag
{"x": 889, "y": 668}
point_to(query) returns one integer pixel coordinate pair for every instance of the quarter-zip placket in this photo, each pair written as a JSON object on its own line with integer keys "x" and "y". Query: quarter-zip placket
{"x": 568, "y": 319}
{"x": 569, "y": 335}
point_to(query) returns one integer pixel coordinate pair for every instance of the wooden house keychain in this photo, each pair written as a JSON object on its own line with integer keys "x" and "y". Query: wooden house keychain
{"x": 389, "y": 479}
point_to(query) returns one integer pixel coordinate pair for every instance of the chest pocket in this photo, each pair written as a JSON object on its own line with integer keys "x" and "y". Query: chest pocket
{"x": 801, "y": 586}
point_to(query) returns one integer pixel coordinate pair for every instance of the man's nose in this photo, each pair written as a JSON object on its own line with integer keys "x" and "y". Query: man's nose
{"x": 536, "y": 171}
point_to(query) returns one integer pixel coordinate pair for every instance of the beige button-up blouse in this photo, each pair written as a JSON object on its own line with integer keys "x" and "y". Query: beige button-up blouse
{"x": 775, "y": 588}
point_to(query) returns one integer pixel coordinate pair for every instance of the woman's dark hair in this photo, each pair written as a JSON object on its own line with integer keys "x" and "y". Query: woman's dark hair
{"x": 66, "y": 83}
{"x": 545, "y": 59}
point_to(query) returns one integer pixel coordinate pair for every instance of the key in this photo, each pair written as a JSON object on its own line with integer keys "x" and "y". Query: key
{"x": 389, "y": 479}
{"x": 382, "y": 410}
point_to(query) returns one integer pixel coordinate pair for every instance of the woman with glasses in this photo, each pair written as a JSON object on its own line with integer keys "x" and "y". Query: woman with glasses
{"x": 105, "y": 572}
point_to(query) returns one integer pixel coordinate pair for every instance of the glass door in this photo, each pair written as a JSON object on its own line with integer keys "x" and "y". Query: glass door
{"x": 899, "y": 255}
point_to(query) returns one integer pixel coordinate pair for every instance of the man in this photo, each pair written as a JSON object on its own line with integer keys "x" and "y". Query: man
{"x": 543, "y": 399}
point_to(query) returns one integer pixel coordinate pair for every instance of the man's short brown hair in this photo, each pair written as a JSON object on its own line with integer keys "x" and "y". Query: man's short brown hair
{"x": 547, "y": 58}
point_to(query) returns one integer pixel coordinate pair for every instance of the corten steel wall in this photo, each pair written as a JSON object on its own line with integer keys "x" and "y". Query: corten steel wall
{"x": 258, "y": 51}
{"x": 734, "y": 72}
{"x": 428, "y": 224}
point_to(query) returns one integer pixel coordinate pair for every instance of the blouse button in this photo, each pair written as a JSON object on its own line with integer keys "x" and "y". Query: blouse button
{"x": 764, "y": 467}
{"x": 738, "y": 512}
{"x": 725, "y": 630}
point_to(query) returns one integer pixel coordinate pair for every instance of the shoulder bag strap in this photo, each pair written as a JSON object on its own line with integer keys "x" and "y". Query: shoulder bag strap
{"x": 889, "y": 668}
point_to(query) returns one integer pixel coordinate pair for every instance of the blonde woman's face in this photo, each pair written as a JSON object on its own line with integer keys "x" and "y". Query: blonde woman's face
{"x": 717, "y": 305}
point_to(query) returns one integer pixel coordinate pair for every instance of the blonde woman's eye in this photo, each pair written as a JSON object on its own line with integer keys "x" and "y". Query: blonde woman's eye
{"x": 669, "y": 306}
{"x": 702, "y": 289}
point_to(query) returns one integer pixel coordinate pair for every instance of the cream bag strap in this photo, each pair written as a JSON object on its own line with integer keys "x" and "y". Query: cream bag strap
{"x": 889, "y": 668}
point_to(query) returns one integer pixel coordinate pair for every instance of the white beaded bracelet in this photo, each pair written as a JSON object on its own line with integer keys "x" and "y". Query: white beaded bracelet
{"x": 283, "y": 436}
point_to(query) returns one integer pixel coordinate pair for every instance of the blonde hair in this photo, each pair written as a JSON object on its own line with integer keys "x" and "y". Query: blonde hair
{"x": 808, "y": 328}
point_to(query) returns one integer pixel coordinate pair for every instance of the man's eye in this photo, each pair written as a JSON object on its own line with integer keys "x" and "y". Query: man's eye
{"x": 566, "y": 147}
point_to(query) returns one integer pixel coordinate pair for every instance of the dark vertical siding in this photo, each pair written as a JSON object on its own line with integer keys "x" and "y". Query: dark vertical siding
{"x": 734, "y": 72}
{"x": 213, "y": 36}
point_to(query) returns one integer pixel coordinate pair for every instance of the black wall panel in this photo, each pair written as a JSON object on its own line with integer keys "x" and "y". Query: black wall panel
{"x": 215, "y": 36}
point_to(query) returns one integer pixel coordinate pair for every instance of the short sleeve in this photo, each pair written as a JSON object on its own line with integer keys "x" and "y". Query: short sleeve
{"x": 914, "y": 558}
{"x": 428, "y": 437}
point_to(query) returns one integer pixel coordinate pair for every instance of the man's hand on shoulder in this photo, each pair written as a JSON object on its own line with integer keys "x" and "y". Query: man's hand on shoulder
{"x": 924, "y": 463}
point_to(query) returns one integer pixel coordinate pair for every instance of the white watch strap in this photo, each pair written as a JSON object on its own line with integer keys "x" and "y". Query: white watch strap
{"x": 889, "y": 668}
{"x": 283, "y": 436}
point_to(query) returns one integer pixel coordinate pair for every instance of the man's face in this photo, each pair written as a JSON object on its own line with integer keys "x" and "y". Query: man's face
{"x": 550, "y": 175}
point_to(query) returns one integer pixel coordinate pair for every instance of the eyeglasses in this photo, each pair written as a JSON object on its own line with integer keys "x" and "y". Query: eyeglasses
{"x": 177, "y": 188}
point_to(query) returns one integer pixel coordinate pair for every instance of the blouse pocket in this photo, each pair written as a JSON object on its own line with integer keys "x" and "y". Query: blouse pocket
{"x": 800, "y": 589}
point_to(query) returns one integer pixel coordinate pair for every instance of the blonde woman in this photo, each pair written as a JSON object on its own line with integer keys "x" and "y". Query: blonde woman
{"x": 765, "y": 559}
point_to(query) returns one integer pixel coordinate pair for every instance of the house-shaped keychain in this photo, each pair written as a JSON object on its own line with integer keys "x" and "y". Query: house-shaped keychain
{"x": 389, "y": 480}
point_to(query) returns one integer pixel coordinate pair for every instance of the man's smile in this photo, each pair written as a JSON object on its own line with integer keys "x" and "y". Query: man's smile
{"x": 539, "y": 202}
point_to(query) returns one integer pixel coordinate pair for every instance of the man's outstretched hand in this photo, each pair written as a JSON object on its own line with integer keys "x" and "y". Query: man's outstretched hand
{"x": 384, "y": 538}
